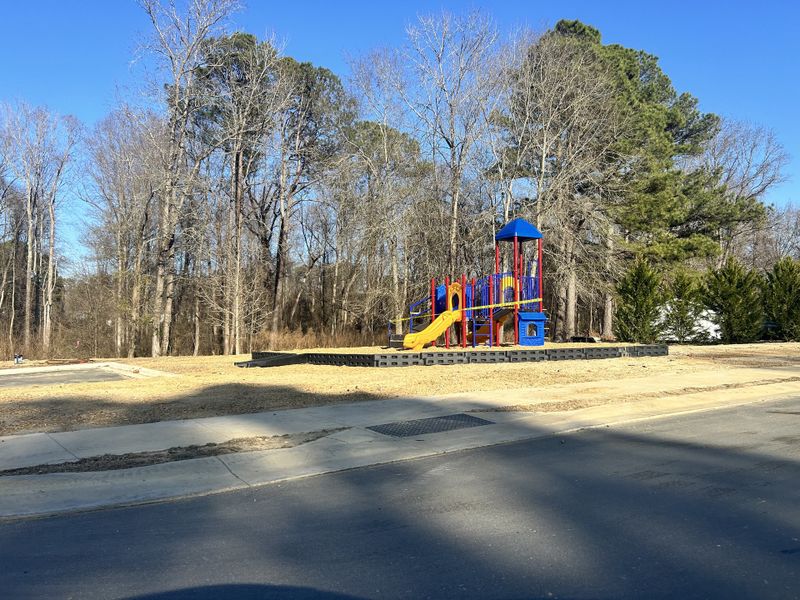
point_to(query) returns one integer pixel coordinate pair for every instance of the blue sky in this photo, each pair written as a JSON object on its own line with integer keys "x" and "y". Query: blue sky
{"x": 739, "y": 58}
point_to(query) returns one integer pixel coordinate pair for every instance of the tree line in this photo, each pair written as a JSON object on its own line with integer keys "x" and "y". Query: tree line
{"x": 732, "y": 303}
{"x": 253, "y": 201}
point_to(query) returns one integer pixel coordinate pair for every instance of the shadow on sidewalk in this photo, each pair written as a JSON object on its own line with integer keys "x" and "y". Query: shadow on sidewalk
{"x": 701, "y": 506}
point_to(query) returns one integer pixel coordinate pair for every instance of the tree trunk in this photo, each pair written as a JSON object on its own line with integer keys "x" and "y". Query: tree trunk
{"x": 608, "y": 296}
{"x": 335, "y": 311}
{"x": 237, "y": 268}
{"x": 29, "y": 273}
{"x": 608, "y": 316}
{"x": 118, "y": 302}
{"x": 398, "y": 301}
{"x": 6, "y": 269}
{"x": 277, "y": 288}
{"x": 50, "y": 284}
{"x": 158, "y": 308}
{"x": 455, "y": 193}
{"x": 169, "y": 301}
{"x": 38, "y": 267}
{"x": 196, "y": 349}
{"x": 571, "y": 311}
{"x": 13, "y": 302}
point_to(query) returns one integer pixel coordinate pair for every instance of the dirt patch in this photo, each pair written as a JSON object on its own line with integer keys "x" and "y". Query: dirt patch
{"x": 760, "y": 355}
{"x": 113, "y": 462}
{"x": 578, "y": 403}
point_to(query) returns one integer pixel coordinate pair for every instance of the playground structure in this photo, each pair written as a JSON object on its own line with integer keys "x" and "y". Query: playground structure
{"x": 480, "y": 307}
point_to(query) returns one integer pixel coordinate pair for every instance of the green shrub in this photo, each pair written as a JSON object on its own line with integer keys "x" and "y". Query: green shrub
{"x": 733, "y": 293}
{"x": 639, "y": 302}
{"x": 683, "y": 309}
{"x": 782, "y": 298}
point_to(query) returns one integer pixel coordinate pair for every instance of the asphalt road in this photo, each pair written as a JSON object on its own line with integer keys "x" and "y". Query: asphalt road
{"x": 699, "y": 506}
{"x": 59, "y": 377}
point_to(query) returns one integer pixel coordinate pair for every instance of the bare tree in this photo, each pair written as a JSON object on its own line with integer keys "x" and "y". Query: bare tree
{"x": 446, "y": 89}
{"x": 778, "y": 236}
{"x": 750, "y": 162}
{"x": 388, "y": 164}
{"x": 178, "y": 41}
{"x": 248, "y": 90}
{"x": 123, "y": 168}
{"x": 41, "y": 146}
{"x": 563, "y": 126}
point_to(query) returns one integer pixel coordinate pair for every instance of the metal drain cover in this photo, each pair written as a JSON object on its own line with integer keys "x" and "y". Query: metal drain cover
{"x": 431, "y": 425}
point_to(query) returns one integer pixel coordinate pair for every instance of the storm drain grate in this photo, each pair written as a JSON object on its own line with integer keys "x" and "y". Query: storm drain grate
{"x": 430, "y": 425}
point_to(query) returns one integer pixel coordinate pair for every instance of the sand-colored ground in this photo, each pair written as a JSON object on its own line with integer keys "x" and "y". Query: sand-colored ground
{"x": 212, "y": 385}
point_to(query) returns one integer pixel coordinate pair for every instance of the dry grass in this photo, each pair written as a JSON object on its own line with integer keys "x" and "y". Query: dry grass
{"x": 212, "y": 385}
{"x": 112, "y": 462}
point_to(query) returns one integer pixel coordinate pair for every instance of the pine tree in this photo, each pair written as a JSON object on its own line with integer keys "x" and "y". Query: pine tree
{"x": 684, "y": 308}
{"x": 639, "y": 304}
{"x": 733, "y": 293}
{"x": 782, "y": 298}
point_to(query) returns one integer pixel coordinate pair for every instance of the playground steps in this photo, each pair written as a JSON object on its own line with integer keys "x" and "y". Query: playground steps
{"x": 482, "y": 333}
{"x": 396, "y": 340}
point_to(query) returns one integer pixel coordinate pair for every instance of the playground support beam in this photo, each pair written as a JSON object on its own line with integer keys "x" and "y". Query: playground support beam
{"x": 463, "y": 310}
{"x": 472, "y": 313}
{"x": 491, "y": 310}
{"x": 433, "y": 304}
{"x": 448, "y": 305}
{"x": 539, "y": 273}
{"x": 516, "y": 289}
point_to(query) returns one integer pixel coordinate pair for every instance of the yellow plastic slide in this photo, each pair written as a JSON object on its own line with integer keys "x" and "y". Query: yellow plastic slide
{"x": 416, "y": 341}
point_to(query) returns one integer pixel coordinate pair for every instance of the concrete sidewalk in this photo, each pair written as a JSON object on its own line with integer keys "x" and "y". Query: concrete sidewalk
{"x": 355, "y": 446}
{"x": 131, "y": 371}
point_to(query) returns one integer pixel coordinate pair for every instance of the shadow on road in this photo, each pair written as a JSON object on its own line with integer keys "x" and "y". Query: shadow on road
{"x": 696, "y": 506}
{"x": 245, "y": 592}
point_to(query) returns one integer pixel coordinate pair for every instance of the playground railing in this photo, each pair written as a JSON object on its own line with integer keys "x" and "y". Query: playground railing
{"x": 503, "y": 292}
{"x": 420, "y": 314}
{"x": 528, "y": 290}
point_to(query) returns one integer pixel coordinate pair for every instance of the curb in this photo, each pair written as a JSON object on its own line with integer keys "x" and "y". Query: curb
{"x": 33, "y": 496}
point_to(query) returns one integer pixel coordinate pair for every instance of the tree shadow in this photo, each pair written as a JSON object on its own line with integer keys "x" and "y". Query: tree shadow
{"x": 245, "y": 592}
{"x": 691, "y": 507}
{"x": 68, "y": 413}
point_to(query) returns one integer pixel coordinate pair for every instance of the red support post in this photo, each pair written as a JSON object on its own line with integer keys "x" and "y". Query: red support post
{"x": 448, "y": 306}
{"x": 433, "y": 304}
{"x": 472, "y": 312}
{"x": 539, "y": 273}
{"x": 491, "y": 310}
{"x": 521, "y": 273}
{"x": 463, "y": 310}
{"x": 516, "y": 290}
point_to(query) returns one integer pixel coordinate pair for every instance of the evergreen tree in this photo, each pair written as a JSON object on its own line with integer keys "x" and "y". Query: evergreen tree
{"x": 683, "y": 309}
{"x": 639, "y": 304}
{"x": 733, "y": 293}
{"x": 669, "y": 209}
{"x": 782, "y": 298}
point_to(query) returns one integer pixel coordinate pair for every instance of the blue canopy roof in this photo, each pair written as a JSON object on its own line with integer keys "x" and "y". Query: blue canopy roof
{"x": 519, "y": 228}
